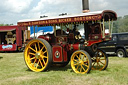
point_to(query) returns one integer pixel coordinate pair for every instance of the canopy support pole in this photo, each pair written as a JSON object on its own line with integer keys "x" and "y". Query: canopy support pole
{"x": 34, "y": 31}
{"x": 103, "y": 29}
{"x": 55, "y": 30}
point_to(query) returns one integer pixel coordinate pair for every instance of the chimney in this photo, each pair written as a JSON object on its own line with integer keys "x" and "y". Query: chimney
{"x": 85, "y": 6}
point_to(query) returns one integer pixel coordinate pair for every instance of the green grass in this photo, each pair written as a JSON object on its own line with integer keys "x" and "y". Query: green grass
{"x": 13, "y": 71}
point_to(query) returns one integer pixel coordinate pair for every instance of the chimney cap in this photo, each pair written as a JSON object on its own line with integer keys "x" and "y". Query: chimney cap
{"x": 85, "y": 11}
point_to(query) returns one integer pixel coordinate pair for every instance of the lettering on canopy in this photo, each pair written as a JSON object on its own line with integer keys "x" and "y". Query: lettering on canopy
{"x": 61, "y": 20}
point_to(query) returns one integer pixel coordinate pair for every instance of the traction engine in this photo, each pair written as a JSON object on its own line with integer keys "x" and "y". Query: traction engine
{"x": 60, "y": 47}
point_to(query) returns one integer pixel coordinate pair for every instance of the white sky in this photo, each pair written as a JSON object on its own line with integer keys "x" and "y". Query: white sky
{"x": 12, "y": 11}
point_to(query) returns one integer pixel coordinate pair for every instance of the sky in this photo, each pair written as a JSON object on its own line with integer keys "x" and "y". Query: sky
{"x": 11, "y": 11}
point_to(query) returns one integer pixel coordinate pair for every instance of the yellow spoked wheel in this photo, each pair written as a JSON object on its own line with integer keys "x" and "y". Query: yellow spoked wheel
{"x": 100, "y": 60}
{"x": 81, "y": 62}
{"x": 38, "y": 55}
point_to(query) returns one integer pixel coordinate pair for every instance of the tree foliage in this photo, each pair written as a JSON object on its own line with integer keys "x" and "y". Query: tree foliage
{"x": 121, "y": 25}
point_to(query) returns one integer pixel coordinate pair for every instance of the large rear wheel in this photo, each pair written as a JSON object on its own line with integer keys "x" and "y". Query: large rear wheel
{"x": 100, "y": 60}
{"x": 38, "y": 55}
{"x": 81, "y": 62}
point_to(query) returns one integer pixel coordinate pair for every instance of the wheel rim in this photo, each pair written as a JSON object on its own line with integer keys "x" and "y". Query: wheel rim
{"x": 36, "y": 55}
{"x": 80, "y": 62}
{"x": 99, "y": 62}
{"x": 120, "y": 54}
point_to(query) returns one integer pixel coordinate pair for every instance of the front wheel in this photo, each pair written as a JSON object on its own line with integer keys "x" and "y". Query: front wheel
{"x": 100, "y": 60}
{"x": 38, "y": 55}
{"x": 81, "y": 62}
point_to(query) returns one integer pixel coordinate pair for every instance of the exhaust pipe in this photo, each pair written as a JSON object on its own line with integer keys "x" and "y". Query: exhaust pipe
{"x": 85, "y": 6}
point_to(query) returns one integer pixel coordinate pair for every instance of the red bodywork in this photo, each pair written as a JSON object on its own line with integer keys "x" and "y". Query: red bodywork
{"x": 7, "y": 47}
{"x": 57, "y": 53}
{"x": 3, "y": 43}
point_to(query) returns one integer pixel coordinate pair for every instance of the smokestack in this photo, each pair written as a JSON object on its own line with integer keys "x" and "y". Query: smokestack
{"x": 85, "y": 6}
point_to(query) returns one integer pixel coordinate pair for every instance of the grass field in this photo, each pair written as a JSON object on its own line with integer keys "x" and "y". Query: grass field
{"x": 13, "y": 71}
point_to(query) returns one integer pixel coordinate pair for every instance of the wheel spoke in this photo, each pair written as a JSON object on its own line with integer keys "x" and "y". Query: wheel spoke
{"x": 34, "y": 62}
{"x": 39, "y": 45}
{"x": 32, "y": 58}
{"x": 102, "y": 63}
{"x": 77, "y": 57}
{"x": 85, "y": 65}
{"x": 32, "y": 49}
{"x": 37, "y": 64}
{"x": 98, "y": 64}
{"x": 83, "y": 68}
{"x": 77, "y": 67}
{"x": 94, "y": 64}
{"x": 83, "y": 57}
{"x": 85, "y": 61}
{"x": 44, "y": 62}
{"x": 80, "y": 56}
{"x": 76, "y": 63}
{"x": 44, "y": 52}
{"x": 99, "y": 57}
{"x": 102, "y": 59}
{"x": 35, "y": 47}
{"x": 42, "y": 48}
{"x": 41, "y": 63}
{"x": 31, "y": 53}
{"x": 43, "y": 56}
{"x": 75, "y": 60}
{"x": 92, "y": 58}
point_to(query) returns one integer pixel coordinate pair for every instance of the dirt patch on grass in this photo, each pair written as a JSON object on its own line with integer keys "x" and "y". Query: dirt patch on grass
{"x": 17, "y": 79}
{"x": 89, "y": 80}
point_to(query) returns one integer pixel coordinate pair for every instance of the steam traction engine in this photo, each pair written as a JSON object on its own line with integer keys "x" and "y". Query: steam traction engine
{"x": 60, "y": 47}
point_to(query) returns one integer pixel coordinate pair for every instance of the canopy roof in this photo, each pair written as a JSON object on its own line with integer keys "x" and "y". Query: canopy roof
{"x": 90, "y": 16}
{"x": 7, "y": 28}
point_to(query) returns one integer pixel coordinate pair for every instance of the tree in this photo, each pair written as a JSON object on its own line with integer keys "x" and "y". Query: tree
{"x": 123, "y": 24}
{"x": 116, "y": 25}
